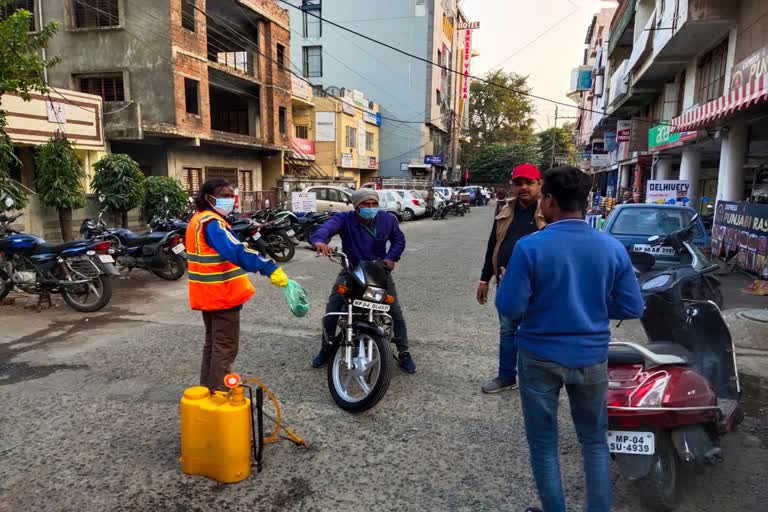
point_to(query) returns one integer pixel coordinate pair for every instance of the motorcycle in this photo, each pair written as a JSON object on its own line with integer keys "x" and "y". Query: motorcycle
{"x": 360, "y": 359}
{"x": 159, "y": 252}
{"x": 79, "y": 270}
{"x": 671, "y": 400}
{"x": 269, "y": 238}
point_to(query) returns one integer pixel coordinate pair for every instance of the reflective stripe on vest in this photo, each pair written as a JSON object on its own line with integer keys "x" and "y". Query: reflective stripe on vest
{"x": 214, "y": 282}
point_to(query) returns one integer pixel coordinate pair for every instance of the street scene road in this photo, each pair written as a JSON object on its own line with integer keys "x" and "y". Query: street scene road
{"x": 90, "y": 416}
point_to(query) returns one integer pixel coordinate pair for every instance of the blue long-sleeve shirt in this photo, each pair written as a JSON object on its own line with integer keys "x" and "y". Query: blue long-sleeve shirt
{"x": 362, "y": 242}
{"x": 221, "y": 238}
{"x": 564, "y": 283}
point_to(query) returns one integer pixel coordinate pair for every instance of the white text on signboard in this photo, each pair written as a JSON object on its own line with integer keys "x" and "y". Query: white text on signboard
{"x": 304, "y": 202}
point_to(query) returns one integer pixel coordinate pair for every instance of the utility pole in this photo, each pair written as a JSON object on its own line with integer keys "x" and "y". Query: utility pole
{"x": 554, "y": 140}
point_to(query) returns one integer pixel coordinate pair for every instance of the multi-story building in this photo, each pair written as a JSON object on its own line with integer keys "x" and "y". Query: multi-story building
{"x": 192, "y": 89}
{"x": 418, "y": 100}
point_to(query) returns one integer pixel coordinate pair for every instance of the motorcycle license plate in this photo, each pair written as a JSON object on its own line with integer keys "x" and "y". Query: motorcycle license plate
{"x": 106, "y": 258}
{"x": 657, "y": 250}
{"x": 290, "y": 232}
{"x": 178, "y": 248}
{"x": 634, "y": 443}
{"x": 370, "y": 305}
{"x": 256, "y": 235}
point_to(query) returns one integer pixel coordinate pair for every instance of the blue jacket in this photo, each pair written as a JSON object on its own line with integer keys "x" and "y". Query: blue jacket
{"x": 220, "y": 237}
{"x": 564, "y": 283}
{"x": 364, "y": 243}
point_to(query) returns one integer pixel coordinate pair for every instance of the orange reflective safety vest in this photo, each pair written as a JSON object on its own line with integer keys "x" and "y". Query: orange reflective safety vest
{"x": 214, "y": 283}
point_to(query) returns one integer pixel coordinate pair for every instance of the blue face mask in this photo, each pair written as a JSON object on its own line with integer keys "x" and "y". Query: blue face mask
{"x": 225, "y": 204}
{"x": 368, "y": 213}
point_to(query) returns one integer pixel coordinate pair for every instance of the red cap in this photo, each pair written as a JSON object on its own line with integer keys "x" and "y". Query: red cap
{"x": 526, "y": 170}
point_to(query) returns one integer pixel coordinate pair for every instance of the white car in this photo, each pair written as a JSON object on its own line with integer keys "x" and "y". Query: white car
{"x": 390, "y": 201}
{"x": 445, "y": 191}
{"x": 414, "y": 206}
{"x": 331, "y": 198}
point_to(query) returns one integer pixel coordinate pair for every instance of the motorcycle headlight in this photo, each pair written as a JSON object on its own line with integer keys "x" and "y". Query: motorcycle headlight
{"x": 374, "y": 294}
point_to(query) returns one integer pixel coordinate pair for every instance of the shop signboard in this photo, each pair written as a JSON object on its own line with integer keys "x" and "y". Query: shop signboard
{"x": 741, "y": 229}
{"x": 667, "y": 191}
{"x": 346, "y": 160}
{"x": 325, "y": 126}
{"x": 600, "y": 156}
{"x": 347, "y": 107}
{"x": 754, "y": 66}
{"x": 303, "y": 148}
{"x": 581, "y": 79}
{"x": 303, "y": 202}
{"x": 372, "y": 118}
{"x": 372, "y": 163}
{"x": 660, "y": 137}
{"x": 623, "y": 130}
{"x": 611, "y": 144}
{"x": 433, "y": 159}
{"x": 467, "y": 60}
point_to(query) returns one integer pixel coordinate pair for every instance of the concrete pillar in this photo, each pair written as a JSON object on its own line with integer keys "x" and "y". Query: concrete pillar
{"x": 690, "y": 170}
{"x": 623, "y": 178}
{"x": 733, "y": 156}
{"x": 663, "y": 169}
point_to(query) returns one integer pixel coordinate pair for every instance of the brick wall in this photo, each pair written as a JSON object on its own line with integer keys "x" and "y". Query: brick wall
{"x": 277, "y": 82}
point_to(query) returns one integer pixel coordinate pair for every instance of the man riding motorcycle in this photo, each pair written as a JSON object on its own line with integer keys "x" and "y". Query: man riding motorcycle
{"x": 364, "y": 235}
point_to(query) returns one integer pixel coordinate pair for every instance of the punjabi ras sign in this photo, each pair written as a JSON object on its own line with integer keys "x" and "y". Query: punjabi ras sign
{"x": 741, "y": 229}
{"x": 667, "y": 191}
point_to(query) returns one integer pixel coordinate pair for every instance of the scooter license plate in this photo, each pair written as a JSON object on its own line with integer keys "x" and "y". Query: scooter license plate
{"x": 290, "y": 232}
{"x": 630, "y": 442}
{"x": 370, "y": 305}
{"x": 178, "y": 248}
{"x": 106, "y": 258}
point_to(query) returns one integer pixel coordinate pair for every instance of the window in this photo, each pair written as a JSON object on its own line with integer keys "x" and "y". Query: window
{"x": 280, "y": 57}
{"x": 302, "y": 131}
{"x": 320, "y": 193}
{"x": 313, "y": 25}
{"x": 245, "y": 181}
{"x": 350, "y": 137}
{"x": 368, "y": 141}
{"x": 8, "y": 9}
{"x": 438, "y": 97}
{"x": 108, "y": 86}
{"x": 710, "y": 73}
{"x": 188, "y": 14}
{"x": 192, "y": 96}
{"x": 283, "y": 120}
{"x": 95, "y": 13}
{"x": 190, "y": 179}
{"x": 312, "y": 61}
{"x": 335, "y": 196}
{"x": 650, "y": 221}
{"x": 439, "y": 57}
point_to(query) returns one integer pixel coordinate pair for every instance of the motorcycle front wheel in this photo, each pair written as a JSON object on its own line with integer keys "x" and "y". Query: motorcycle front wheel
{"x": 6, "y": 285}
{"x": 363, "y": 386}
{"x": 88, "y": 297}
{"x": 280, "y": 247}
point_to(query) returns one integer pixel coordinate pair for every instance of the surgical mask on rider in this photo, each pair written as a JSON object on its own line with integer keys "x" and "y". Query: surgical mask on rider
{"x": 368, "y": 213}
{"x": 225, "y": 205}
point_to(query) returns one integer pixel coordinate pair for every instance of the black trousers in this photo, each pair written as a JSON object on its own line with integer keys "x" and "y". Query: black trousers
{"x": 337, "y": 302}
{"x": 222, "y": 340}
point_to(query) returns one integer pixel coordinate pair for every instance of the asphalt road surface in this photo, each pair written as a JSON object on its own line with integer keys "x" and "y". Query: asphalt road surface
{"x": 89, "y": 418}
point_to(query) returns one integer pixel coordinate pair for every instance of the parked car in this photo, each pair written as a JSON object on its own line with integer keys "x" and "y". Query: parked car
{"x": 332, "y": 198}
{"x": 475, "y": 195}
{"x": 414, "y": 206}
{"x": 632, "y": 224}
{"x": 391, "y": 201}
{"x": 446, "y": 191}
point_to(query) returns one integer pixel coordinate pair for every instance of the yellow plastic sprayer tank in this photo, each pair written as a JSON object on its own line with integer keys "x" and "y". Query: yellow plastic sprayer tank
{"x": 216, "y": 434}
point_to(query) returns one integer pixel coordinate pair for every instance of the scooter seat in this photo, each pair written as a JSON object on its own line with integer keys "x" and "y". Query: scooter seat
{"x": 625, "y": 355}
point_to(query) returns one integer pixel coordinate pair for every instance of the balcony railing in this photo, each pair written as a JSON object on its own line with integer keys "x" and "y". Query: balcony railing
{"x": 243, "y": 61}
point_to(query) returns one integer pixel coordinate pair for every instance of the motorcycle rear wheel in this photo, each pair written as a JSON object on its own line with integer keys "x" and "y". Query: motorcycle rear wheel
{"x": 660, "y": 488}
{"x": 342, "y": 382}
{"x": 173, "y": 270}
{"x": 103, "y": 290}
{"x": 6, "y": 285}
{"x": 280, "y": 247}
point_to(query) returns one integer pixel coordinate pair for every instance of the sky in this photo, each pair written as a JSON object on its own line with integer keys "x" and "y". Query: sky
{"x": 543, "y": 39}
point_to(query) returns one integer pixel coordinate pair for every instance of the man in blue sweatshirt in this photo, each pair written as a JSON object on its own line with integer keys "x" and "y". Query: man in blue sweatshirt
{"x": 564, "y": 300}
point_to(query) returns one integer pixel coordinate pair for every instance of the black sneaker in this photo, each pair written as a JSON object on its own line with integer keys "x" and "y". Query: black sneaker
{"x": 320, "y": 359}
{"x": 406, "y": 362}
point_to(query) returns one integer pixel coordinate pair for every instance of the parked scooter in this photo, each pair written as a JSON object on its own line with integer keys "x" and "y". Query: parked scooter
{"x": 159, "y": 252}
{"x": 78, "y": 270}
{"x": 270, "y": 238}
{"x": 670, "y": 400}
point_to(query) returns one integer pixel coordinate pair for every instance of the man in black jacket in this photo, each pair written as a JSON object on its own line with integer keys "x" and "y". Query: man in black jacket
{"x": 521, "y": 216}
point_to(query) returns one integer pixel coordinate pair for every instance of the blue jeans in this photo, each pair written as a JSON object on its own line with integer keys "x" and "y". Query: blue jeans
{"x": 540, "y": 383}
{"x": 507, "y": 349}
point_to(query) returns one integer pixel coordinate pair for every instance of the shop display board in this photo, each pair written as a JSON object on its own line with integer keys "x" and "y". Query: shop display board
{"x": 741, "y": 229}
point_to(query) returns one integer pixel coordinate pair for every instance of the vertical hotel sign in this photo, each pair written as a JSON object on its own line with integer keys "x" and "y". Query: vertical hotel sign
{"x": 466, "y": 28}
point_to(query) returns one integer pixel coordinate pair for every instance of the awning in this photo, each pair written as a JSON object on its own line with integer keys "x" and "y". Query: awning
{"x": 738, "y": 99}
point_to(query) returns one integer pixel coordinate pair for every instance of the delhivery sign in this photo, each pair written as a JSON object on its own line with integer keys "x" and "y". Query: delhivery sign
{"x": 742, "y": 229}
{"x": 433, "y": 159}
{"x": 659, "y": 137}
{"x": 667, "y": 191}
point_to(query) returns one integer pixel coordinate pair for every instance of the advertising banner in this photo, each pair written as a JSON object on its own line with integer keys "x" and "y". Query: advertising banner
{"x": 754, "y": 66}
{"x": 325, "y": 126}
{"x": 600, "y": 157}
{"x": 303, "y": 148}
{"x": 667, "y": 191}
{"x": 303, "y": 202}
{"x": 659, "y": 137}
{"x": 740, "y": 230}
{"x": 623, "y": 130}
{"x": 346, "y": 160}
{"x": 467, "y": 60}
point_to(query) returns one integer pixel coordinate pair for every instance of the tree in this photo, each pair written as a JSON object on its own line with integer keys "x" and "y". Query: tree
{"x": 21, "y": 72}
{"x": 58, "y": 180}
{"x": 556, "y": 146}
{"x": 499, "y": 111}
{"x": 119, "y": 179}
{"x": 494, "y": 163}
{"x": 156, "y": 189}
